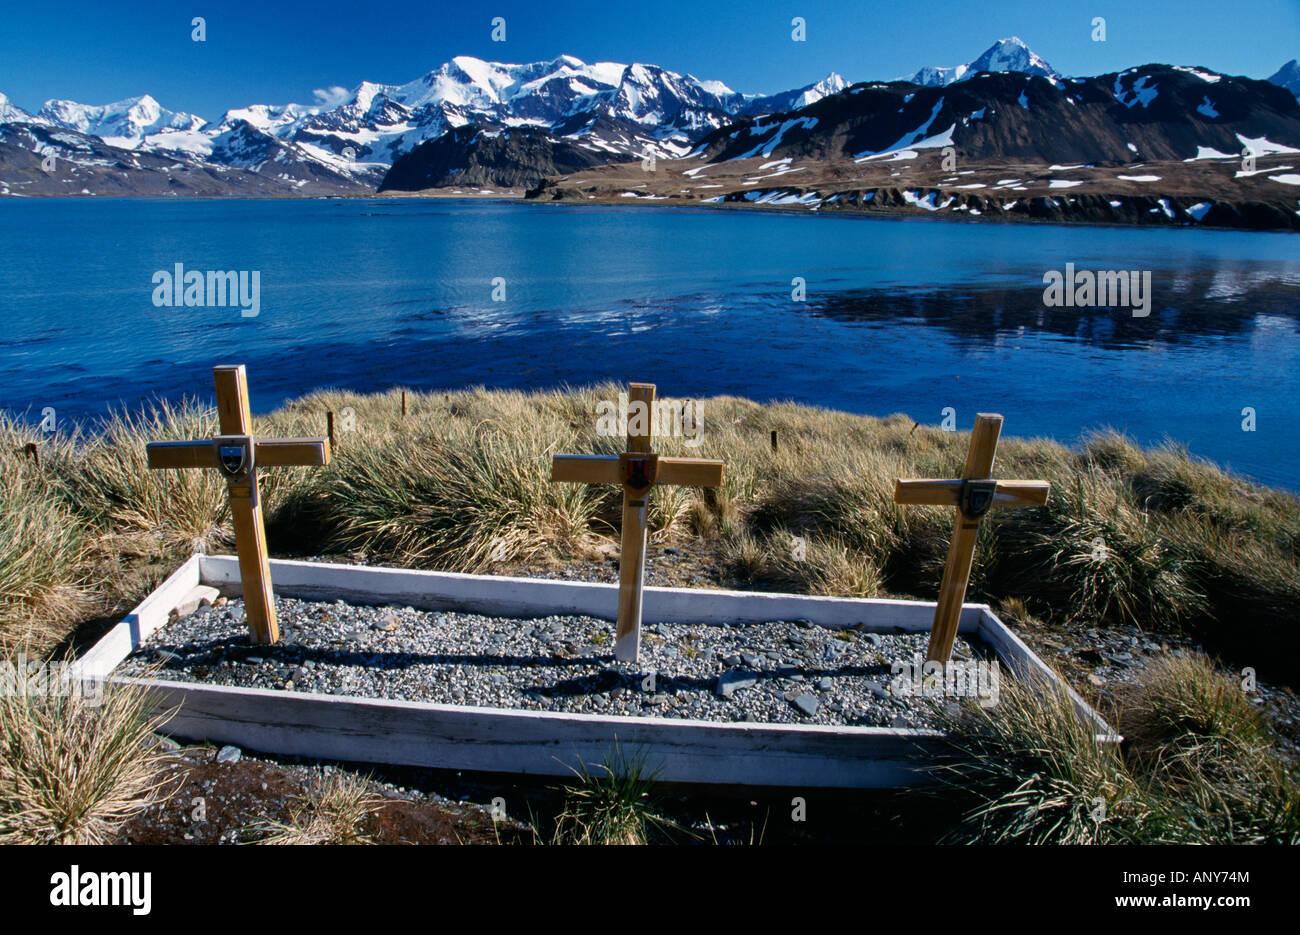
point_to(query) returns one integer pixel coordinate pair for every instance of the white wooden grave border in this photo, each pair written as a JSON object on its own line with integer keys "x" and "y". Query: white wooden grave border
{"x": 545, "y": 743}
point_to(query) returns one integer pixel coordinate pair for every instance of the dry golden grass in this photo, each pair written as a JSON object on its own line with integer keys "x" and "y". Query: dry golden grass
{"x": 72, "y": 771}
{"x": 333, "y": 811}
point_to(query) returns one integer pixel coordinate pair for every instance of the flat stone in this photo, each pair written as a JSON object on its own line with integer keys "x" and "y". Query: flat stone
{"x": 202, "y": 594}
{"x": 751, "y": 660}
{"x": 807, "y": 704}
{"x": 730, "y": 682}
{"x": 228, "y": 754}
{"x": 386, "y": 623}
{"x": 825, "y": 683}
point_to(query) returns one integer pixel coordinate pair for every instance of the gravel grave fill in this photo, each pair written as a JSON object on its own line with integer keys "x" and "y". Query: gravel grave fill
{"x": 782, "y": 671}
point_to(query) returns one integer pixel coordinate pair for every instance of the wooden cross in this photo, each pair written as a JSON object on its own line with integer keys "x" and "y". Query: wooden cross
{"x": 638, "y": 469}
{"x": 974, "y": 494}
{"x": 238, "y": 456}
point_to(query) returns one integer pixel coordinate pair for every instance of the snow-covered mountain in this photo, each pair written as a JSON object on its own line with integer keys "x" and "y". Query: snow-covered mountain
{"x": 574, "y": 111}
{"x": 11, "y": 113}
{"x": 1009, "y": 54}
{"x": 125, "y": 124}
{"x": 476, "y": 122}
{"x": 658, "y": 110}
{"x": 797, "y": 99}
{"x": 1151, "y": 112}
{"x": 1288, "y": 76}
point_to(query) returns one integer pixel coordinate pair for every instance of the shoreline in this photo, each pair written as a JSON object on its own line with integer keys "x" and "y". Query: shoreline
{"x": 888, "y": 213}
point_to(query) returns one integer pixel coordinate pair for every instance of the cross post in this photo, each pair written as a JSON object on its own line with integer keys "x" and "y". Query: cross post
{"x": 637, "y": 470}
{"x": 238, "y": 456}
{"x": 973, "y": 495}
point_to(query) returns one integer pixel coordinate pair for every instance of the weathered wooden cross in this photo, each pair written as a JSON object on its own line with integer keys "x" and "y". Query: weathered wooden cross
{"x": 638, "y": 469}
{"x": 974, "y": 494}
{"x": 238, "y": 456}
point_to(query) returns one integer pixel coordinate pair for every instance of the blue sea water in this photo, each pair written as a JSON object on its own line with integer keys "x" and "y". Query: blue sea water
{"x": 908, "y": 315}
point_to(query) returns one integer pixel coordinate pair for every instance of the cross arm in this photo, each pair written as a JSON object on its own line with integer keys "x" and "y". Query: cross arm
{"x": 181, "y": 455}
{"x": 948, "y": 492}
{"x": 586, "y": 469}
{"x": 292, "y": 452}
{"x": 605, "y": 469}
{"x": 268, "y": 452}
{"x": 690, "y": 472}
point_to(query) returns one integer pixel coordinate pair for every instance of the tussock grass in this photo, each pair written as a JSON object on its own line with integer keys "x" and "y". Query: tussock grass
{"x": 1206, "y": 755}
{"x": 1036, "y": 773}
{"x": 1197, "y": 766}
{"x": 610, "y": 804}
{"x": 333, "y": 811}
{"x": 42, "y": 546}
{"x": 72, "y": 772}
{"x": 824, "y": 565}
{"x": 1113, "y": 561}
{"x": 463, "y": 504}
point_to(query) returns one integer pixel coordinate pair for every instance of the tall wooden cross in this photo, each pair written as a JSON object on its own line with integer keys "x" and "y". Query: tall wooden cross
{"x": 238, "y": 456}
{"x": 974, "y": 494}
{"x": 638, "y": 469}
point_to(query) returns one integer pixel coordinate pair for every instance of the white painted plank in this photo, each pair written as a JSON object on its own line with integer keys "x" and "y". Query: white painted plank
{"x": 543, "y": 743}
{"x": 136, "y": 626}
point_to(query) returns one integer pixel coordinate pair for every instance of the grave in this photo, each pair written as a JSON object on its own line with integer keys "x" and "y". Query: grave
{"x": 558, "y": 709}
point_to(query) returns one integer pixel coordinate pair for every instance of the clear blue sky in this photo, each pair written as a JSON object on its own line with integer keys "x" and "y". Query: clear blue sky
{"x": 269, "y": 52}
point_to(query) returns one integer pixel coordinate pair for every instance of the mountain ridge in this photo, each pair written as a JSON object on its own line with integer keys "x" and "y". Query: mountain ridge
{"x": 470, "y": 122}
